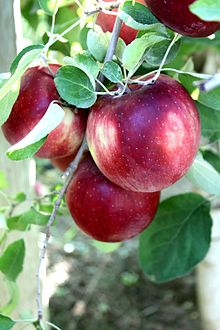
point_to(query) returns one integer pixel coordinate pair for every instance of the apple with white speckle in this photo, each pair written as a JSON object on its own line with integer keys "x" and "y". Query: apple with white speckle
{"x": 36, "y": 93}
{"x": 103, "y": 210}
{"x": 176, "y": 15}
{"x": 145, "y": 140}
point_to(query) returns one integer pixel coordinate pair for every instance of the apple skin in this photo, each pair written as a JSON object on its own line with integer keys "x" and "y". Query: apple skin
{"x": 147, "y": 139}
{"x": 63, "y": 162}
{"x": 107, "y": 23}
{"x": 105, "y": 211}
{"x": 36, "y": 93}
{"x": 176, "y": 15}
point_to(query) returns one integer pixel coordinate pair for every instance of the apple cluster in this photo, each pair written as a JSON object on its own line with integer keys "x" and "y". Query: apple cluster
{"x": 139, "y": 144}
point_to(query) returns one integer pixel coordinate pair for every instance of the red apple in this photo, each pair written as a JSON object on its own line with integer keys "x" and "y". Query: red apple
{"x": 63, "y": 162}
{"x": 107, "y": 23}
{"x": 105, "y": 211}
{"x": 147, "y": 139}
{"x": 36, "y": 93}
{"x": 177, "y": 16}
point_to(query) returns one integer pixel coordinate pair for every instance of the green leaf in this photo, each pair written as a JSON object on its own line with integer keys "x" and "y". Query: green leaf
{"x": 48, "y": 6}
{"x": 3, "y": 224}
{"x": 17, "y": 59}
{"x": 11, "y": 85}
{"x": 32, "y": 142}
{"x": 11, "y": 262}
{"x": 177, "y": 239}
{"x": 136, "y": 15}
{"x": 3, "y": 77}
{"x": 7, "y": 102}
{"x": 203, "y": 175}
{"x": 13, "y": 223}
{"x": 134, "y": 52}
{"x": 86, "y": 63}
{"x": 112, "y": 71}
{"x": 27, "y": 152}
{"x": 97, "y": 43}
{"x": 120, "y": 49}
{"x": 212, "y": 158}
{"x": 207, "y": 10}
{"x": 154, "y": 56}
{"x": 62, "y": 45}
{"x": 6, "y": 323}
{"x": 31, "y": 217}
{"x": 106, "y": 247}
{"x": 210, "y": 120}
{"x": 22, "y": 66}
{"x": 20, "y": 197}
{"x": 75, "y": 87}
{"x": 210, "y": 99}
{"x": 3, "y": 181}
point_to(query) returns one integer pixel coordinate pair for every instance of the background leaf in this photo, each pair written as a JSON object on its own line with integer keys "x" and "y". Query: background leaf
{"x": 203, "y": 175}
{"x": 11, "y": 262}
{"x": 177, "y": 239}
{"x": 6, "y": 323}
{"x": 210, "y": 122}
{"x": 207, "y": 10}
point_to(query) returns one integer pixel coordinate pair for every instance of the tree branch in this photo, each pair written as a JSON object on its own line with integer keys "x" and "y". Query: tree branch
{"x": 111, "y": 48}
{"x": 72, "y": 169}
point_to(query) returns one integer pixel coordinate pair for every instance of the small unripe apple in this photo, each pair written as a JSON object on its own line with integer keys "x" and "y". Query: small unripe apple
{"x": 176, "y": 15}
{"x": 107, "y": 22}
{"x": 36, "y": 93}
{"x": 105, "y": 211}
{"x": 147, "y": 139}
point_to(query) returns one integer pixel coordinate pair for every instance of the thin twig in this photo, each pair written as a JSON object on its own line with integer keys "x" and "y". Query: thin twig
{"x": 57, "y": 204}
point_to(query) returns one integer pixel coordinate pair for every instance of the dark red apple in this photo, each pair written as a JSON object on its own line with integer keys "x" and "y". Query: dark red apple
{"x": 147, "y": 139}
{"x": 107, "y": 23}
{"x": 63, "y": 162}
{"x": 176, "y": 15}
{"x": 105, "y": 211}
{"x": 36, "y": 93}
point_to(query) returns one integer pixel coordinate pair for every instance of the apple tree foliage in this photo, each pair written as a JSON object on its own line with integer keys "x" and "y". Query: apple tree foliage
{"x": 179, "y": 237}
